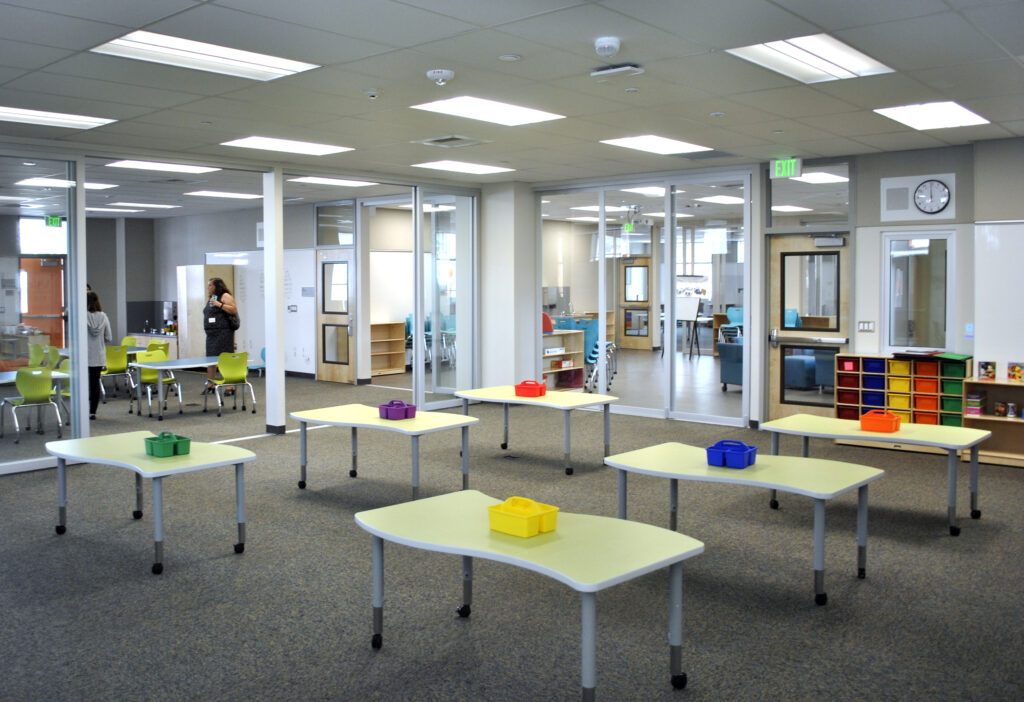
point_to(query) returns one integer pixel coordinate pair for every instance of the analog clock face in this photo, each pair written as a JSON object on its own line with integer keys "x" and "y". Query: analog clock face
{"x": 931, "y": 196}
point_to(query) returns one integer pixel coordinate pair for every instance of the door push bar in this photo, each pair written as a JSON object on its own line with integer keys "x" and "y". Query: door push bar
{"x": 775, "y": 339}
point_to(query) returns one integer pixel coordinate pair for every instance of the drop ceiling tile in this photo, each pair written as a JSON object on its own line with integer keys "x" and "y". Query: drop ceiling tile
{"x": 611, "y": 92}
{"x": 1002, "y": 109}
{"x": 55, "y": 30}
{"x": 486, "y": 14}
{"x": 1017, "y": 127}
{"x": 1004, "y": 23}
{"x": 481, "y": 49}
{"x": 145, "y": 74}
{"x": 734, "y": 113}
{"x": 405, "y": 25}
{"x": 881, "y": 91}
{"x": 973, "y": 80}
{"x": 127, "y": 13}
{"x": 244, "y": 114}
{"x": 106, "y": 91}
{"x": 21, "y": 54}
{"x": 796, "y": 101}
{"x": 901, "y": 141}
{"x": 8, "y": 74}
{"x": 71, "y": 105}
{"x": 724, "y": 75}
{"x": 851, "y": 124}
{"x": 786, "y": 130}
{"x": 834, "y": 16}
{"x": 835, "y": 146}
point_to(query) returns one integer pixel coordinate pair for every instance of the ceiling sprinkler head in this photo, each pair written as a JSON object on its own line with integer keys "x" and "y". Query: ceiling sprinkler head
{"x": 440, "y": 75}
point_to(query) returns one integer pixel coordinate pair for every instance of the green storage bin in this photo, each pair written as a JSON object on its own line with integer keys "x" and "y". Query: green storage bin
{"x": 953, "y": 404}
{"x": 954, "y": 369}
{"x": 167, "y": 444}
{"x": 952, "y": 387}
{"x": 952, "y": 420}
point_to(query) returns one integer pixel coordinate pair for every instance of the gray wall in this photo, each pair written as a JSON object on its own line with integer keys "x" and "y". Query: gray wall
{"x": 999, "y": 180}
{"x": 101, "y": 264}
{"x": 9, "y": 266}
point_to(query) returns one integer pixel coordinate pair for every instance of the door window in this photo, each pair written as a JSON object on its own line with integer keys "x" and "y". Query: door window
{"x": 335, "y": 289}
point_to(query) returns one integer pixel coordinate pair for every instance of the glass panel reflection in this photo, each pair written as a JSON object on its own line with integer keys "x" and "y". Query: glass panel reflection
{"x": 336, "y": 343}
{"x": 810, "y": 291}
{"x": 808, "y": 375}
{"x": 917, "y": 293}
{"x": 335, "y": 290}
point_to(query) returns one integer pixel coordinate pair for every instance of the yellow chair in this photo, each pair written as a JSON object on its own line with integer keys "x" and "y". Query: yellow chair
{"x": 35, "y": 386}
{"x": 52, "y": 357}
{"x": 116, "y": 366}
{"x": 164, "y": 346}
{"x": 65, "y": 390}
{"x": 36, "y": 355}
{"x": 150, "y": 377}
{"x": 129, "y": 341}
{"x": 234, "y": 371}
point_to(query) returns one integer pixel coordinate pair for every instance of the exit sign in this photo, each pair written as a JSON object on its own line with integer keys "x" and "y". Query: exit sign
{"x": 54, "y": 221}
{"x": 786, "y": 168}
{"x": 627, "y": 227}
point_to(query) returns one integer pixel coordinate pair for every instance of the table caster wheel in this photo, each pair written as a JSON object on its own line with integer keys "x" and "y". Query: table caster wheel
{"x": 861, "y": 573}
{"x": 60, "y": 528}
{"x": 568, "y": 471}
{"x": 239, "y": 548}
{"x": 463, "y": 610}
{"x": 158, "y": 568}
{"x": 954, "y": 531}
{"x": 352, "y": 473}
{"x": 679, "y": 681}
{"x": 137, "y": 514}
{"x": 504, "y": 446}
{"x": 975, "y": 514}
{"x": 376, "y": 642}
{"x": 774, "y": 504}
{"x": 302, "y": 484}
{"x": 820, "y": 599}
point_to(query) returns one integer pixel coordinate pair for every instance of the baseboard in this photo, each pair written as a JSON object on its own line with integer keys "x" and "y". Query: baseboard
{"x": 274, "y": 429}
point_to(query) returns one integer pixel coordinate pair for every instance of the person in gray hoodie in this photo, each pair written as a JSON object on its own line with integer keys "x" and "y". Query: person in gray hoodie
{"x": 99, "y": 336}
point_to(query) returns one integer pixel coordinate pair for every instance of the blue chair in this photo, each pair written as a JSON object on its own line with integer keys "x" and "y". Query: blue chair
{"x": 791, "y": 318}
{"x": 730, "y": 357}
{"x": 824, "y": 369}
{"x": 734, "y": 327}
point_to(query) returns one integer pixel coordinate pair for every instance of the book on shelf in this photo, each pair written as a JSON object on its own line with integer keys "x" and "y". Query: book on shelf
{"x": 1015, "y": 371}
{"x": 986, "y": 370}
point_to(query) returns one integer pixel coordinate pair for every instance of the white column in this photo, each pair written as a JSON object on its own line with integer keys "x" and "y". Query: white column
{"x": 273, "y": 299}
{"x": 77, "y": 340}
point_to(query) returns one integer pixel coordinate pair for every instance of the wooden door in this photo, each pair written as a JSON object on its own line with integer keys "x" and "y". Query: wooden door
{"x": 45, "y": 296}
{"x": 335, "y": 333}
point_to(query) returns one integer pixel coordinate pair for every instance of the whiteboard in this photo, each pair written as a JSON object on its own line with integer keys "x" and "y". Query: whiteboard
{"x": 998, "y": 316}
{"x": 687, "y": 307}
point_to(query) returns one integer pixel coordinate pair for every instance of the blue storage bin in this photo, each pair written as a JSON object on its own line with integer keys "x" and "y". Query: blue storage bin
{"x": 731, "y": 454}
{"x": 874, "y": 399}
{"x": 873, "y": 382}
{"x": 874, "y": 365}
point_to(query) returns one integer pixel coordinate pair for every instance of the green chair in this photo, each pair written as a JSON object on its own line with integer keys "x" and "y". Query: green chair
{"x": 65, "y": 390}
{"x": 116, "y": 366}
{"x": 35, "y": 386}
{"x": 234, "y": 371}
{"x": 36, "y": 355}
{"x": 150, "y": 377}
{"x": 52, "y": 357}
{"x": 129, "y": 341}
{"x": 164, "y": 346}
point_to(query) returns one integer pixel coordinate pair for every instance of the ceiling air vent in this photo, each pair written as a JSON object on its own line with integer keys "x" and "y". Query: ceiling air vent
{"x": 450, "y": 142}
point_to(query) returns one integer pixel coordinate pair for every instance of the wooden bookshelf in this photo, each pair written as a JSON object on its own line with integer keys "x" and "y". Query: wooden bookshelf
{"x": 387, "y": 348}
{"x": 562, "y": 359}
{"x": 1006, "y": 446}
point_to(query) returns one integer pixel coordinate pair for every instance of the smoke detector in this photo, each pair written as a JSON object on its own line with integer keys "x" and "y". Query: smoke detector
{"x": 440, "y": 75}
{"x": 607, "y": 46}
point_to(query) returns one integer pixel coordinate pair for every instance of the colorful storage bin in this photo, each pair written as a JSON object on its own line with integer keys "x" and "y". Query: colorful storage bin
{"x": 531, "y": 388}
{"x": 952, "y": 404}
{"x": 845, "y": 380}
{"x": 167, "y": 444}
{"x": 954, "y": 369}
{"x": 899, "y": 367}
{"x": 926, "y": 367}
{"x": 951, "y": 420}
{"x": 898, "y": 400}
{"x": 903, "y": 415}
{"x": 874, "y": 365}
{"x": 899, "y": 384}
{"x": 874, "y": 399}
{"x": 926, "y": 385}
{"x": 926, "y": 418}
{"x": 873, "y": 382}
{"x": 879, "y": 420}
{"x": 847, "y": 412}
{"x": 521, "y": 516}
{"x": 926, "y": 402}
{"x": 952, "y": 387}
{"x": 731, "y": 454}
{"x": 848, "y": 397}
{"x": 848, "y": 364}
{"x": 397, "y": 409}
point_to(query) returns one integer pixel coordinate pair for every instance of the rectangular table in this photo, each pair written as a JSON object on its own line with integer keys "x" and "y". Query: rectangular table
{"x": 952, "y": 439}
{"x": 167, "y": 368}
{"x": 128, "y": 450}
{"x": 565, "y": 401}
{"x": 587, "y": 553}
{"x": 816, "y": 478}
{"x": 366, "y": 417}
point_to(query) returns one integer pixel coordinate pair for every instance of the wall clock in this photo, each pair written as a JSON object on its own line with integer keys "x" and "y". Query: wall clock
{"x": 931, "y": 196}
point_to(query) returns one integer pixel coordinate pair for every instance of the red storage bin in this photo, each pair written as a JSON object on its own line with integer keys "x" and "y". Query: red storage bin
{"x": 848, "y": 397}
{"x": 848, "y": 364}
{"x": 848, "y": 381}
{"x": 847, "y": 412}
{"x": 531, "y": 388}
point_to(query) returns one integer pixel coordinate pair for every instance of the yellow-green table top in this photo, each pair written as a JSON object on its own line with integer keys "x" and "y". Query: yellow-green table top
{"x": 920, "y": 434}
{"x": 813, "y": 477}
{"x": 555, "y": 399}
{"x": 586, "y": 552}
{"x": 364, "y": 416}
{"x": 128, "y": 450}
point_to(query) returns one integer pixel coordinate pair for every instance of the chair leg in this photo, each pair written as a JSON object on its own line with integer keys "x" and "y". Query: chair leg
{"x": 17, "y": 429}
{"x": 177, "y": 387}
{"x": 103, "y": 389}
{"x": 253, "y": 395}
{"x": 220, "y": 403}
{"x": 56, "y": 411}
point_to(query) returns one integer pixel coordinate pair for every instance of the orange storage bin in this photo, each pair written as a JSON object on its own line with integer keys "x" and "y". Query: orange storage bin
{"x": 926, "y": 385}
{"x": 879, "y": 420}
{"x": 926, "y": 367}
{"x": 531, "y": 388}
{"x": 926, "y": 402}
{"x": 926, "y": 417}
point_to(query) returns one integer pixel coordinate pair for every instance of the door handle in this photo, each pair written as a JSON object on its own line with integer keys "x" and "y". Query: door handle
{"x": 775, "y": 339}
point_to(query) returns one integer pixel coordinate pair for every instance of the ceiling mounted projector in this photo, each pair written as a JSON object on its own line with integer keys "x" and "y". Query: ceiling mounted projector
{"x": 616, "y": 70}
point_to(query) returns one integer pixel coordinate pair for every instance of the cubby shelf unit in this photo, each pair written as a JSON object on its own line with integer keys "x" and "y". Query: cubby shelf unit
{"x": 562, "y": 362}
{"x": 1006, "y": 446}
{"x": 387, "y": 348}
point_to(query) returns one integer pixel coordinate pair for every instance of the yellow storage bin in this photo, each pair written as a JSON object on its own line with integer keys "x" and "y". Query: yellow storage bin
{"x": 899, "y": 384}
{"x": 521, "y": 516}
{"x": 899, "y": 367}
{"x": 904, "y": 416}
{"x": 898, "y": 401}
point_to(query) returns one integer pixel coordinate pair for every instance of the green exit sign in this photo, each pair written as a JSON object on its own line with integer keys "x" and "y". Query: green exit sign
{"x": 786, "y": 168}
{"x": 54, "y": 221}
{"x": 627, "y": 227}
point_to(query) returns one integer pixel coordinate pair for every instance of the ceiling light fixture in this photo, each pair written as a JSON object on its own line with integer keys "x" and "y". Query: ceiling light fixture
{"x": 722, "y": 200}
{"x": 51, "y": 119}
{"x": 597, "y": 208}
{"x": 157, "y": 166}
{"x": 816, "y": 58}
{"x": 231, "y": 196}
{"x": 679, "y": 215}
{"x": 656, "y": 145}
{"x": 62, "y": 183}
{"x": 820, "y": 178}
{"x": 289, "y": 146}
{"x": 790, "y": 208}
{"x": 340, "y": 182}
{"x": 8, "y": 198}
{"x": 185, "y": 53}
{"x": 145, "y": 205}
{"x": 109, "y": 209}
{"x": 933, "y": 115}
{"x": 650, "y": 191}
{"x": 462, "y": 167}
{"x": 488, "y": 111}
{"x": 510, "y": 58}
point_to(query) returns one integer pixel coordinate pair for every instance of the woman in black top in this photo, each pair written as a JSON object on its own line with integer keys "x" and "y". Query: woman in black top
{"x": 220, "y": 336}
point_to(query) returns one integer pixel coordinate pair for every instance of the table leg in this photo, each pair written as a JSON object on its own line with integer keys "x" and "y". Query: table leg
{"x": 588, "y": 647}
{"x": 622, "y": 494}
{"x": 862, "y": 531}
{"x": 675, "y": 625}
{"x": 378, "y": 593}
{"x": 158, "y": 526}
{"x": 952, "y": 461}
{"x": 62, "y": 497}
{"x": 673, "y": 503}
{"x": 607, "y": 429}
{"x": 805, "y": 446}
{"x": 353, "y": 472}
{"x": 137, "y": 514}
{"x": 465, "y": 406}
{"x": 138, "y": 394}
{"x": 415, "y": 467}
{"x": 302, "y": 455}
{"x": 160, "y": 395}
{"x": 567, "y": 441}
{"x": 465, "y": 608}
{"x": 820, "y": 597}
{"x": 240, "y": 505}
{"x": 465, "y": 458}
{"x": 975, "y": 511}
{"x": 504, "y": 414}
{"x": 773, "y": 500}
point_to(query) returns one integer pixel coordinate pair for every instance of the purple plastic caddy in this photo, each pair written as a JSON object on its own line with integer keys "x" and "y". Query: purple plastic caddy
{"x": 396, "y": 409}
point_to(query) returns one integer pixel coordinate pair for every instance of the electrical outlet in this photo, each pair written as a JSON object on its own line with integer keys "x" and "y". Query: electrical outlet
{"x": 866, "y": 327}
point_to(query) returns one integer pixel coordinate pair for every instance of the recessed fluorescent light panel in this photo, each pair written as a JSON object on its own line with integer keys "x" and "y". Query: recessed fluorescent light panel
{"x": 340, "y": 182}
{"x": 158, "y": 166}
{"x": 679, "y": 215}
{"x": 722, "y": 200}
{"x": 109, "y": 209}
{"x": 588, "y": 219}
{"x": 145, "y": 205}
{"x": 652, "y": 191}
{"x": 933, "y": 115}
{"x": 8, "y": 198}
{"x": 462, "y": 167}
{"x": 789, "y": 208}
{"x": 287, "y": 145}
{"x": 61, "y": 183}
{"x": 812, "y": 59}
{"x": 428, "y": 207}
{"x": 488, "y": 111}
{"x": 232, "y": 196}
{"x": 597, "y": 208}
{"x": 184, "y": 53}
{"x": 51, "y": 119}
{"x": 656, "y": 145}
{"x": 820, "y": 178}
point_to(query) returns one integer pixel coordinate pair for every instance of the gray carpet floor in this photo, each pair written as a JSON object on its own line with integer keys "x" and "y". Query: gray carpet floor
{"x": 82, "y": 617}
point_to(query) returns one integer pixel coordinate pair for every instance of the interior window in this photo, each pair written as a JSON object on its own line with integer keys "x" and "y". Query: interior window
{"x": 918, "y": 284}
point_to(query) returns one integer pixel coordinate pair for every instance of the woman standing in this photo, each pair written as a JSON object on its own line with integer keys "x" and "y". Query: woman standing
{"x": 99, "y": 336}
{"x": 217, "y": 323}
